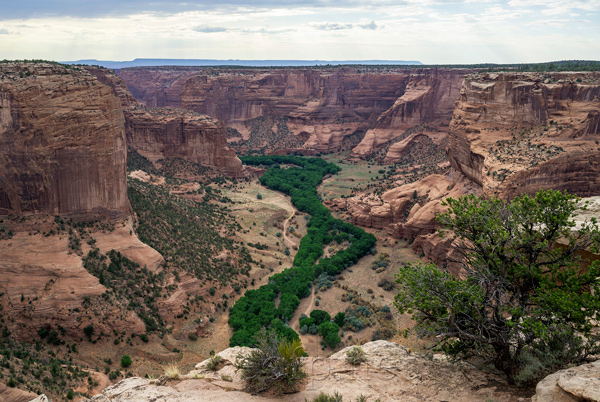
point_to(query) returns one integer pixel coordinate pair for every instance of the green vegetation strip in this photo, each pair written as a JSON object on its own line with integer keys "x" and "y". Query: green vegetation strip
{"x": 257, "y": 308}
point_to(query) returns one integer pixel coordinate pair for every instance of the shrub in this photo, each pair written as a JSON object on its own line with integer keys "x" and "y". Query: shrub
{"x": 320, "y": 316}
{"x": 172, "y": 371}
{"x": 89, "y": 331}
{"x": 524, "y": 304}
{"x": 214, "y": 363}
{"x": 323, "y": 397}
{"x": 274, "y": 365}
{"x": 340, "y": 319}
{"x": 355, "y": 355}
{"x": 126, "y": 361}
{"x": 192, "y": 336}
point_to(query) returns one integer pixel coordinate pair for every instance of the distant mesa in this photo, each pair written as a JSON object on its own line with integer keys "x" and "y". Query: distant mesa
{"x": 231, "y": 62}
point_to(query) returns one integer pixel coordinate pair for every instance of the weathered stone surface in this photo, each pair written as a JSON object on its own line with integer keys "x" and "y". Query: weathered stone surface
{"x": 429, "y": 96}
{"x": 176, "y": 133}
{"x": 575, "y": 384}
{"x": 8, "y": 394}
{"x": 516, "y": 133}
{"x": 159, "y": 133}
{"x": 391, "y": 373}
{"x": 322, "y": 107}
{"x": 62, "y": 144}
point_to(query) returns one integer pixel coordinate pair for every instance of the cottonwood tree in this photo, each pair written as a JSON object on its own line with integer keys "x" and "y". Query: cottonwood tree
{"x": 525, "y": 301}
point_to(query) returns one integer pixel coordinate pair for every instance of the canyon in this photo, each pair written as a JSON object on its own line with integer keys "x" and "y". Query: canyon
{"x": 510, "y": 134}
{"x": 324, "y": 109}
{"x": 64, "y": 139}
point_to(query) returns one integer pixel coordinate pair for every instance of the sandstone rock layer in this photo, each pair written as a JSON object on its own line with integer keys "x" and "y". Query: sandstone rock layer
{"x": 62, "y": 144}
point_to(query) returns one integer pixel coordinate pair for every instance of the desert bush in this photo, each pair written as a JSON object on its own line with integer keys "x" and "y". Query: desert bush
{"x": 274, "y": 365}
{"x": 172, "y": 371}
{"x": 214, "y": 362}
{"x": 126, "y": 361}
{"x": 355, "y": 356}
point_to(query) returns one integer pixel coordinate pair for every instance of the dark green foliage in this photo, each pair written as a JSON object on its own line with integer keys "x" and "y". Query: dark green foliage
{"x": 117, "y": 272}
{"x": 525, "y": 303}
{"x": 256, "y": 308}
{"x": 187, "y": 232}
{"x": 320, "y": 316}
{"x": 329, "y": 332}
{"x": 135, "y": 161}
{"x": 274, "y": 365}
{"x": 89, "y": 331}
{"x": 126, "y": 361}
{"x": 340, "y": 319}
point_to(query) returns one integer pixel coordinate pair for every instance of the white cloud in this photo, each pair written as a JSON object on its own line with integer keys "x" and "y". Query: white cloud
{"x": 209, "y": 29}
{"x": 331, "y": 26}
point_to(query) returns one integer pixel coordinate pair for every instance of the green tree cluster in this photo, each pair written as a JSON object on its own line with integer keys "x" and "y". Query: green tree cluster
{"x": 525, "y": 301}
{"x": 256, "y": 309}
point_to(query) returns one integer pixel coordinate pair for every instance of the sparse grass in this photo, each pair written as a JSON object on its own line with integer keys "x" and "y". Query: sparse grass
{"x": 172, "y": 371}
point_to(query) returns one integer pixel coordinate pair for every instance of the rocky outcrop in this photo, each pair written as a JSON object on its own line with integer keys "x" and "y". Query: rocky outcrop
{"x": 391, "y": 373}
{"x": 321, "y": 106}
{"x": 159, "y": 133}
{"x": 43, "y": 282}
{"x": 430, "y": 96}
{"x": 581, "y": 383}
{"x": 176, "y": 133}
{"x": 514, "y": 133}
{"x": 62, "y": 144}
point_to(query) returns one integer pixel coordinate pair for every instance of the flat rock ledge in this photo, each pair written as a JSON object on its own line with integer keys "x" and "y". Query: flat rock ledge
{"x": 577, "y": 384}
{"x": 391, "y": 373}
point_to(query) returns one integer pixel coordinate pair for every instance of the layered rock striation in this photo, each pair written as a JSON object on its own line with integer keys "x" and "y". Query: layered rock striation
{"x": 62, "y": 144}
{"x": 322, "y": 107}
{"x": 510, "y": 134}
{"x": 514, "y": 133}
{"x": 158, "y": 132}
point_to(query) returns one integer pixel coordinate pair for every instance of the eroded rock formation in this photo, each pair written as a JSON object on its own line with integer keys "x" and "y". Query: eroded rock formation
{"x": 158, "y": 133}
{"x": 322, "y": 107}
{"x": 391, "y": 373}
{"x": 430, "y": 96}
{"x": 62, "y": 144}
{"x": 514, "y": 133}
{"x": 510, "y": 134}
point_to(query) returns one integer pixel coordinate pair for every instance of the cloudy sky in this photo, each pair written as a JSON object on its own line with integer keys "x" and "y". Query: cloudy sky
{"x": 431, "y": 31}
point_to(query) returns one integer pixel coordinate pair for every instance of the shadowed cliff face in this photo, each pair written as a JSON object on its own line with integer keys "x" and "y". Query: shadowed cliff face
{"x": 62, "y": 144}
{"x": 160, "y": 133}
{"x": 514, "y": 133}
{"x": 321, "y": 106}
{"x": 510, "y": 134}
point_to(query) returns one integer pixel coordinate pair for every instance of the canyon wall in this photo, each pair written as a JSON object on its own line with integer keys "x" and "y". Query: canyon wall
{"x": 157, "y": 132}
{"x": 62, "y": 144}
{"x": 510, "y": 134}
{"x": 321, "y": 106}
{"x": 514, "y": 133}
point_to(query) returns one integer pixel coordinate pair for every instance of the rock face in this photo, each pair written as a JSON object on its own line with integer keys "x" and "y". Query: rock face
{"x": 391, "y": 373}
{"x": 175, "y": 133}
{"x": 322, "y": 107}
{"x": 580, "y": 383}
{"x": 510, "y": 134}
{"x": 62, "y": 144}
{"x": 158, "y": 133}
{"x": 430, "y": 96}
{"x": 514, "y": 133}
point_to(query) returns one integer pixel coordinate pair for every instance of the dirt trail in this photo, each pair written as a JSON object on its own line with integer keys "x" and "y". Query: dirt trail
{"x": 310, "y": 305}
{"x": 290, "y": 208}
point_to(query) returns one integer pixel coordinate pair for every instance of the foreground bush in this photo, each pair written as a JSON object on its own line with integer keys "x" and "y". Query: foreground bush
{"x": 274, "y": 365}
{"x": 524, "y": 303}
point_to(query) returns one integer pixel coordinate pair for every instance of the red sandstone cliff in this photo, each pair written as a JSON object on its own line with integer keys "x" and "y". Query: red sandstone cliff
{"x": 510, "y": 134}
{"x": 514, "y": 133}
{"x": 322, "y": 106}
{"x": 430, "y": 96}
{"x": 62, "y": 144}
{"x": 158, "y": 133}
